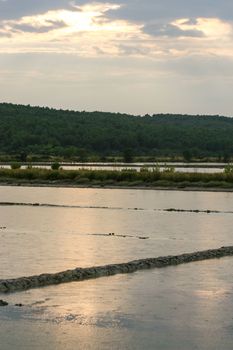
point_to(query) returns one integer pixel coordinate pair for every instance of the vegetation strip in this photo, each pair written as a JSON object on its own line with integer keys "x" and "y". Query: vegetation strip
{"x": 176, "y": 210}
{"x": 197, "y": 211}
{"x": 115, "y": 178}
{"x": 60, "y": 206}
{"x": 80, "y": 274}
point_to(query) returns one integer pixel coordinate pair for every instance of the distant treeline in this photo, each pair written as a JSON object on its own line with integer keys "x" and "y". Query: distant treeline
{"x": 28, "y": 131}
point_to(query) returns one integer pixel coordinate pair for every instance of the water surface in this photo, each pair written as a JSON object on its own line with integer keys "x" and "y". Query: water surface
{"x": 184, "y": 307}
{"x": 178, "y": 166}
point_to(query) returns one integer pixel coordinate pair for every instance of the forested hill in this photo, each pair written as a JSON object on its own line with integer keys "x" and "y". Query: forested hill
{"x": 36, "y": 130}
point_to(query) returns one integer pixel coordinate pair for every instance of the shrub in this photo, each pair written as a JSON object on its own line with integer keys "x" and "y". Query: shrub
{"x": 15, "y": 165}
{"x": 168, "y": 169}
{"x": 144, "y": 169}
{"x": 228, "y": 169}
{"x": 55, "y": 166}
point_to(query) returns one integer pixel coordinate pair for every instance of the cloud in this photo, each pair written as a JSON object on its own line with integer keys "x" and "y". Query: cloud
{"x": 72, "y": 31}
{"x": 30, "y": 28}
{"x": 132, "y": 10}
{"x": 133, "y": 28}
{"x": 182, "y": 85}
{"x": 210, "y": 27}
{"x": 171, "y": 30}
{"x": 4, "y": 34}
{"x": 167, "y": 10}
{"x": 13, "y": 9}
{"x": 165, "y": 52}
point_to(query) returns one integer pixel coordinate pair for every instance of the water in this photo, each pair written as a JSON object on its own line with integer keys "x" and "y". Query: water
{"x": 48, "y": 239}
{"x": 183, "y": 307}
{"x": 179, "y": 167}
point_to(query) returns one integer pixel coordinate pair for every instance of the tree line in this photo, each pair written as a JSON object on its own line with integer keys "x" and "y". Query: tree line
{"x": 26, "y": 130}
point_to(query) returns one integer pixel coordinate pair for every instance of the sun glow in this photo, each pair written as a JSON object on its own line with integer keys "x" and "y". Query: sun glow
{"x": 86, "y": 18}
{"x": 77, "y": 30}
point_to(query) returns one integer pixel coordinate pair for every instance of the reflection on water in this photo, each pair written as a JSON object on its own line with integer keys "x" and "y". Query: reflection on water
{"x": 181, "y": 167}
{"x": 41, "y": 239}
{"x": 185, "y": 307}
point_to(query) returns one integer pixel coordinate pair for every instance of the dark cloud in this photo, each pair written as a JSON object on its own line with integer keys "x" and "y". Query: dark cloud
{"x": 151, "y": 10}
{"x": 136, "y": 10}
{"x": 51, "y": 25}
{"x": 170, "y": 30}
{"x": 12, "y": 9}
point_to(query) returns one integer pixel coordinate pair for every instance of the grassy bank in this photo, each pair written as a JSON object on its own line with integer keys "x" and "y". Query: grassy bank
{"x": 125, "y": 178}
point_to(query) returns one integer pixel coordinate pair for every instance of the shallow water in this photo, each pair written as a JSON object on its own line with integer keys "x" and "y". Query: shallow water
{"x": 179, "y": 167}
{"x": 187, "y": 307}
{"x": 183, "y": 307}
{"x": 50, "y": 239}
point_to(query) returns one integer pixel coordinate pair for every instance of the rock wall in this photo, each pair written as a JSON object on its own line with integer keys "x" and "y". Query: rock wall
{"x": 80, "y": 274}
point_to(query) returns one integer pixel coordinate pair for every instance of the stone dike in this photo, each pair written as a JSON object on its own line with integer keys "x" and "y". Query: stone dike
{"x": 80, "y": 274}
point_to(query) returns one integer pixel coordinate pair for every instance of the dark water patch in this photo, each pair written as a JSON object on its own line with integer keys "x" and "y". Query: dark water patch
{"x": 80, "y": 274}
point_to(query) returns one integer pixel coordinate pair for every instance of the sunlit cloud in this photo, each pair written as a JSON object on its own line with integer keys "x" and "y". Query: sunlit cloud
{"x": 199, "y": 36}
{"x": 89, "y": 30}
{"x": 80, "y": 19}
{"x": 84, "y": 30}
{"x": 210, "y": 27}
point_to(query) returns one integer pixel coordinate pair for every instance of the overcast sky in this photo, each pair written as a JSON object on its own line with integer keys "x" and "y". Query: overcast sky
{"x": 134, "y": 56}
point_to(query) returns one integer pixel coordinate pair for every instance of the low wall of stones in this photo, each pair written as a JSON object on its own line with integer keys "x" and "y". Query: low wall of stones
{"x": 80, "y": 274}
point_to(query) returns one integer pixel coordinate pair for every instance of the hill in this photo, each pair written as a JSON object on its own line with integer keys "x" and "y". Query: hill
{"x": 43, "y": 131}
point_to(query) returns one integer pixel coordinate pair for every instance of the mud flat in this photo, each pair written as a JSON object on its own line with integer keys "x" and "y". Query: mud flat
{"x": 80, "y": 274}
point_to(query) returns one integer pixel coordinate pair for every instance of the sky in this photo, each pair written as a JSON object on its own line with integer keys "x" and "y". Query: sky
{"x": 132, "y": 56}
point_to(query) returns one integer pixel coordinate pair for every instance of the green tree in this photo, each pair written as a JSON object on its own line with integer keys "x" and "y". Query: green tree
{"x": 187, "y": 155}
{"x": 128, "y": 155}
{"x": 55, "y": 166}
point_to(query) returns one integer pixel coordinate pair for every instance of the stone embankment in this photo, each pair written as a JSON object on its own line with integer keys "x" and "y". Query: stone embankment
{"x": 80, "y": 274}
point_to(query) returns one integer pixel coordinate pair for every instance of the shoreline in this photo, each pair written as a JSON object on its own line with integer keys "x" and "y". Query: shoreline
{"x": 113, "y": 187}
{"x": 177, "y": 164}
